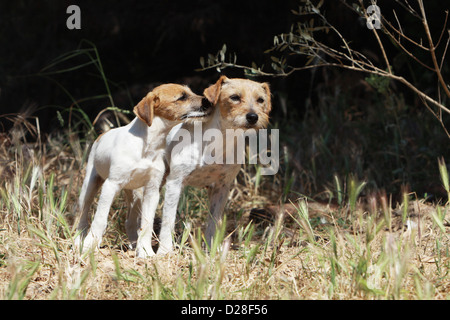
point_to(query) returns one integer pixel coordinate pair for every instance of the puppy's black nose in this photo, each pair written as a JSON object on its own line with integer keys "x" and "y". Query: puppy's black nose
{"x": 206, "y": 104}
{"x": 251, "y": 117}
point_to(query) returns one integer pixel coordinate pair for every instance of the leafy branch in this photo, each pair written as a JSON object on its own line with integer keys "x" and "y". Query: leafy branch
{"x": 302, "y": 40}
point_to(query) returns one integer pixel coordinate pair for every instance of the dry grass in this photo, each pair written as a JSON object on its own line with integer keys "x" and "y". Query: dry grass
{"x": 313, "y": 251}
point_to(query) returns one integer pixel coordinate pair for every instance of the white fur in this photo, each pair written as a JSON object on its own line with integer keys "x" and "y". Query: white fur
{"x": 132, "y": 157}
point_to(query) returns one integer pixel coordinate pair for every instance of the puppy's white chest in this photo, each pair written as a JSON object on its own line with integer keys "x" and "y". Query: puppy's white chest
{"x": 143, "y": 171}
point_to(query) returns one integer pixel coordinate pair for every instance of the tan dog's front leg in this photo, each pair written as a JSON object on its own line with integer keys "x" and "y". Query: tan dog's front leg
{"x": 218, "y": 197}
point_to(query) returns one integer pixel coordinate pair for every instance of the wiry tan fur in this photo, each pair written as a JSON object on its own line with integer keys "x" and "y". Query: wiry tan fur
{"x": 238, "y": 104}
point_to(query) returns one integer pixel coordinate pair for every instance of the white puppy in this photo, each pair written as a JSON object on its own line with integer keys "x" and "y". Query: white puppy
{"x": 132, "y": 157}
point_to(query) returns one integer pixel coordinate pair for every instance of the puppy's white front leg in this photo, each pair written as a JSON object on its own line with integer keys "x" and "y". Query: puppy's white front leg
{"x": 149, "y": 204}
{"x": 98, "y": 226}
{"x": 171, "y": 198}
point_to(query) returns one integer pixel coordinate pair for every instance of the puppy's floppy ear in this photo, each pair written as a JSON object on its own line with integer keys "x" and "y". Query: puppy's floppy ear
{"x": 212, "y": 93}
{"x": 145, "y": 109}
{"x": 266, "y": 88}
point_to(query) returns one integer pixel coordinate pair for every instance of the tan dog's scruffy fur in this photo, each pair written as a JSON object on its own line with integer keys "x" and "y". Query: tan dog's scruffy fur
{"x": 132, "y": 157}
{"x": 238, "y": 104}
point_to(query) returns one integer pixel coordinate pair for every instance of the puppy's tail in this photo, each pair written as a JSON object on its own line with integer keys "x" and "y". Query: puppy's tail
{"x": 92, "y": 182}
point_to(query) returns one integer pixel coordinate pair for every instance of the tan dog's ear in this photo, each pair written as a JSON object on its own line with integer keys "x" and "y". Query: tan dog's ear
{"x": 145, "y": 109}
{"x": 266, "y": 88}
{"x": 212, "y": 93}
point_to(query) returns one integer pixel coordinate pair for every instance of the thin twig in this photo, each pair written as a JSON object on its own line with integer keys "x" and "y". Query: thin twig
{"x": 443, "y": 28}
{"x": 399, "y": 25}
{"x": 432, "y": 49}
{"x": 438, "y": 117}
{"x": 445, "y": 51}
{"x": 400, "y": 33}
{"x": 407, "y": 52}
{"x": 374, "y": 30}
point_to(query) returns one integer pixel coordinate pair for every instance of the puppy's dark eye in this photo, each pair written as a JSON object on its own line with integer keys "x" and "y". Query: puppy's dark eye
{"x": 260, "y": 100}
{"x": 235, "y": 98}
{"x": 183, "y": 97}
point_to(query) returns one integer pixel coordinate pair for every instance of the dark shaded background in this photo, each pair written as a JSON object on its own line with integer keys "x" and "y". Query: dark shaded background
{"x": 144, "y": 43}
{"x": 139, "y": 42}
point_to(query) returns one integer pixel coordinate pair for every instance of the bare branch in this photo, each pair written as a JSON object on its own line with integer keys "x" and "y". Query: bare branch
{"x": 445, "y": 51}
{"x": 443, "y": 28}
{"x": 322, "y": 55}
{"x": 406, "y": 50}
{"x": 400, "y": 33}
{"x": 433, "y": 49}
{"x": 374, "y": 30}
{"x": 438, "y": 117}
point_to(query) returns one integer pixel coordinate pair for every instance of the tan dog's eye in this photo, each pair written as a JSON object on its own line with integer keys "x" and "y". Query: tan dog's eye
{"x": 260, "y": 100}
{"x": 183, "y": 97}
{"x": 235, "y": 98}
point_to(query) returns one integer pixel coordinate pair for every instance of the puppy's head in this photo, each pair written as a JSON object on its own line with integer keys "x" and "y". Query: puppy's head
{"x": 173, "y": 102}
{"x": 243, "y": 103}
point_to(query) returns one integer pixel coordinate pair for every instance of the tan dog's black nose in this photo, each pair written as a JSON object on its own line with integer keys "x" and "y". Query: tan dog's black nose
{"x": 206, "y": 104}
{"x": 251, "y": 117}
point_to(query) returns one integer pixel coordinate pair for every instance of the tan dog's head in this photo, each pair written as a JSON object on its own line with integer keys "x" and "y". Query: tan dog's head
{"x": 173, "y": 102}
{"x": 243, "y": 103}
